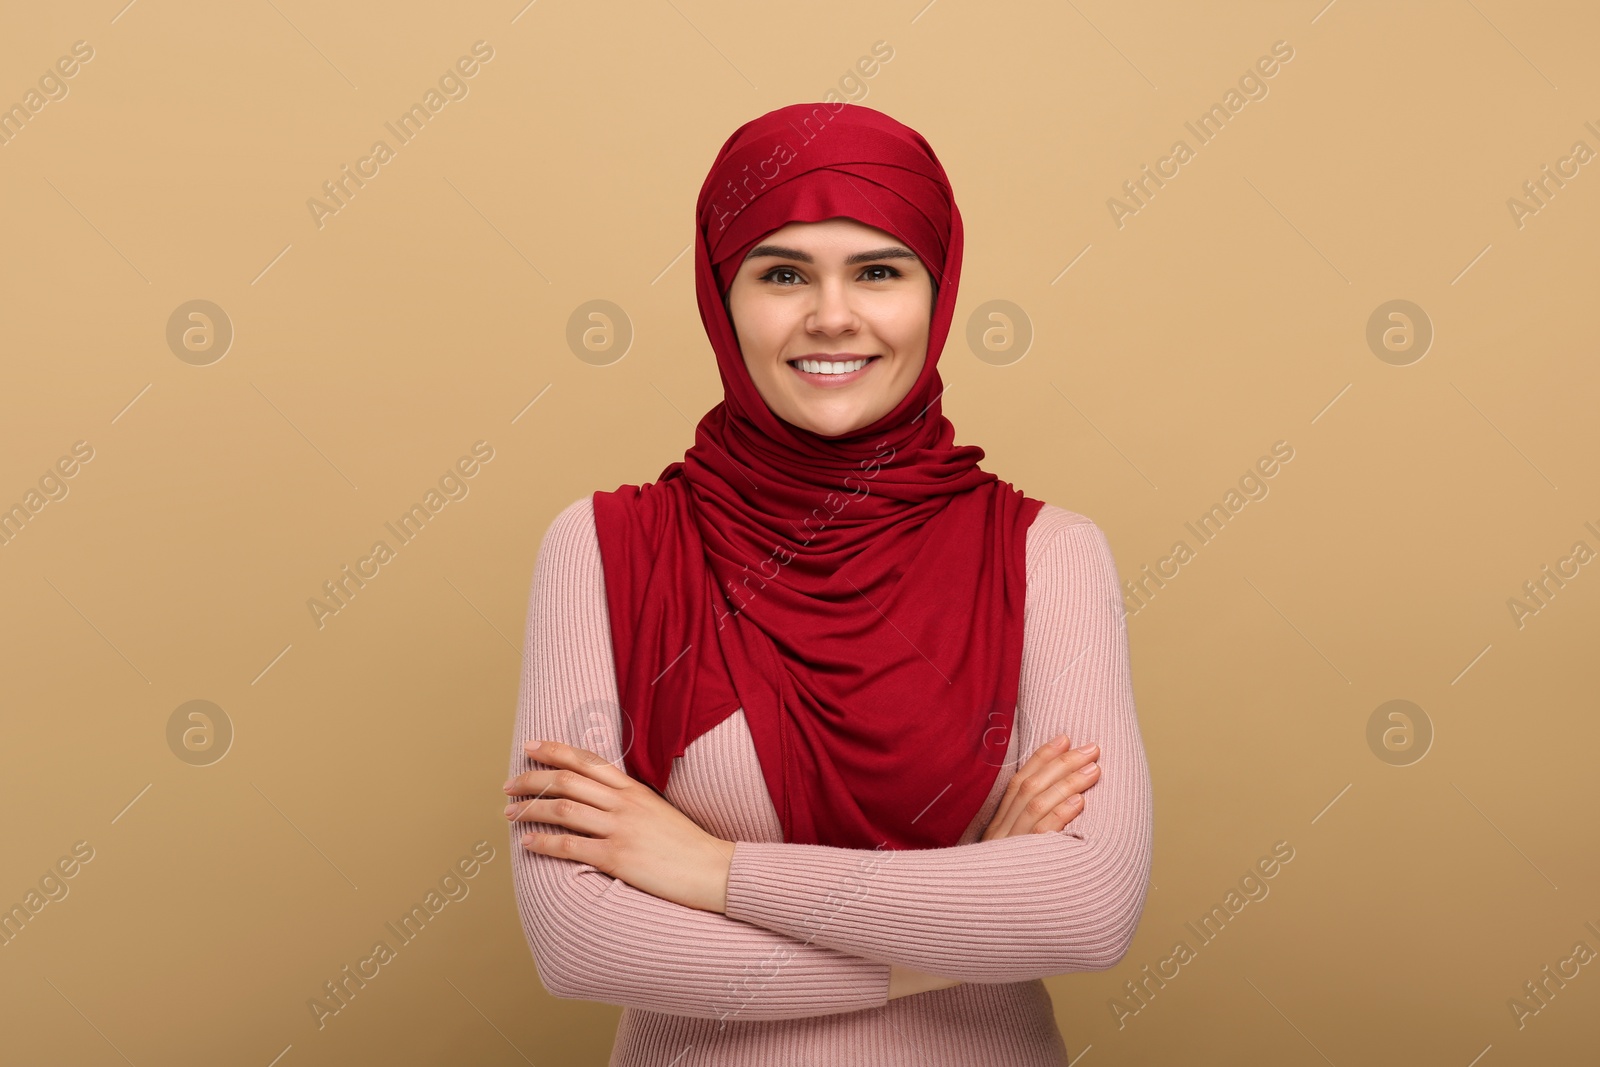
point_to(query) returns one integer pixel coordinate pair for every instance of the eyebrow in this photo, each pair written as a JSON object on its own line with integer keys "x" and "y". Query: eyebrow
{"x": 780, "y": 252}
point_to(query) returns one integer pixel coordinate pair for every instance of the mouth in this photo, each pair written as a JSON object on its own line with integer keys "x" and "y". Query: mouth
{"x": 832, "y": 372}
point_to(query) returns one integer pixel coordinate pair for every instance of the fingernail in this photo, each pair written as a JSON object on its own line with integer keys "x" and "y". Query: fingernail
{"x": 530, "y": 745}
{"x": 509, "y": 783}
{"x": 1087, "y": 750}
{"x": 1060, "y": 739}
{"x": 510, "y": 808}
{"x": 1089, "y": 768}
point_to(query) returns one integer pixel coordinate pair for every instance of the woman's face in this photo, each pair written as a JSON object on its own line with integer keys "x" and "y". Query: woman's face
{"x": 835, "y": 292}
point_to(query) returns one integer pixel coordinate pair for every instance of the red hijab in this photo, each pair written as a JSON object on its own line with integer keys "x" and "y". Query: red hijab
{"x": 860, "y": 596}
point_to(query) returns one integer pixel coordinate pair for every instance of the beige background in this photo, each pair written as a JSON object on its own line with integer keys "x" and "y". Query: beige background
{"x": 369, "y": 354}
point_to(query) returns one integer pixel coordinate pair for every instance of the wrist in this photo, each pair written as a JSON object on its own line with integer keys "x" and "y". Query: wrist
{"x": 722, "y": 868}
{"x": 903, "y": 981}
{"x": 899, "y": 980}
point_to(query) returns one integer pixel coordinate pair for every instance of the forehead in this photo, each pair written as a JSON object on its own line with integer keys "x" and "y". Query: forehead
{"x": 839, "y": 232}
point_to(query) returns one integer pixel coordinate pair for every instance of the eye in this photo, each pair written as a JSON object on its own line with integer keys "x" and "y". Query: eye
{"x": 892, "y": 272}
{"x": 768, "y": 277}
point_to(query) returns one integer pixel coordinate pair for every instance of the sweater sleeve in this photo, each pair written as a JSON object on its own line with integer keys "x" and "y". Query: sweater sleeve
{"x": 1015, "y": 908}
{"x": 595, "y": 937}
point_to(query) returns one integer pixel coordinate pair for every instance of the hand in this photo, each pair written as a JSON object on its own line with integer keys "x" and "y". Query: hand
{"x": 1046, "y": 792}
{"x": 633, "y": 833}
{"x": 1042, "y": 796}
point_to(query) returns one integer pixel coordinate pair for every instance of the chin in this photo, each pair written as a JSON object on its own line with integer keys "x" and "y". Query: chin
{"x": 835, "y": 427}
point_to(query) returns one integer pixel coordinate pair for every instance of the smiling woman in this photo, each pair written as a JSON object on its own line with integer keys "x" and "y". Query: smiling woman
{"x": 791, "y": 779}
{"x": 832, "y": 320}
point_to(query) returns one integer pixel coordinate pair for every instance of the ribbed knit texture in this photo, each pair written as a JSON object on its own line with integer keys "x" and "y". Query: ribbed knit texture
{"x": 797, "y": 971}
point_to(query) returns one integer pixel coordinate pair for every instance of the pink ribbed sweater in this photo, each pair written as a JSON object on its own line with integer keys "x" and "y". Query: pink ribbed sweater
{"x": 797, "y": 971}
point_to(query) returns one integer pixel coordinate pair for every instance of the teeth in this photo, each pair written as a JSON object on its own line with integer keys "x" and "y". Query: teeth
{"x": 817, "y": 366}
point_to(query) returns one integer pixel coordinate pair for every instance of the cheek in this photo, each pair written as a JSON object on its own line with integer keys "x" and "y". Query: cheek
{"x": 908, "y": 331}
{"x": 760, "y": 328}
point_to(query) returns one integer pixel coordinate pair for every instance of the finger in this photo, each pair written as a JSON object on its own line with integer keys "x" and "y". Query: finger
{"x": 564, "y": 846}
{"x": 1033, "y": 802}
{"x": 1049, "y": 763}
{"x": 1055, "y": 819}
{"x": 1044, "y": 753}
{"x": 561, "y": 811}
{"x": 1044, "y": 767}
{"x": 1071, "y": 766}
{"x": 1077, "y": 781}
{"x": 1006, "y": 814}
{"x": 563, "y": 783}
{"x": 1024, "y": 787}
{"x": 1060, "y": 815}
{"x": 590, "y": 765}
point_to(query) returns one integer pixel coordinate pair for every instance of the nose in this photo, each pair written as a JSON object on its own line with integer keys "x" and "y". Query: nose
{"x": 833, "y": 312}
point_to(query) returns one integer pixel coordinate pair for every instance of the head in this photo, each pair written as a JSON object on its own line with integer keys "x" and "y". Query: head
{"x": 827, "y": 232}
{"x": 815, "y": 297}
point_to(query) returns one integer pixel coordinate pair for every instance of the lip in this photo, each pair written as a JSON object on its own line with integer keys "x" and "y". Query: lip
{"x": 834, "y": 381}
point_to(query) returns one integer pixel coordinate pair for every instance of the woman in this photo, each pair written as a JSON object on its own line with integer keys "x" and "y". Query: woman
{"x": 778, "y": 695}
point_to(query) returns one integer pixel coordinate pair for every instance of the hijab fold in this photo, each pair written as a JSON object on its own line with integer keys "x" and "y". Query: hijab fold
{"x": 859, "y": 596}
